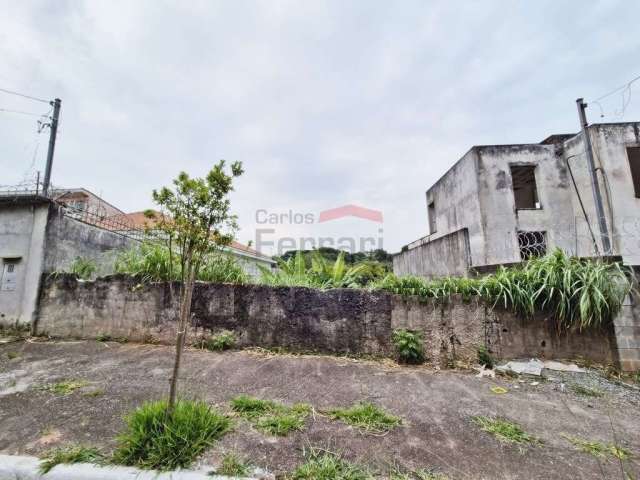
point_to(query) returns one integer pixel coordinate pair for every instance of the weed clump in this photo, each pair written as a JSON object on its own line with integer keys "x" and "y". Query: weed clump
{"x": 270, "y": 416}
{"x": 234, "y": 466}
{"x": 322, "y": 465}
{"x": 485, "y": 358}
{"x": 586, "y": 391}
{"x": 505, "y": 431}
{"x": 158, "y": 439}
{"x": 224, "y": 340}
{"x": 367, "y": 417}
{"x": 84, "y": 268}
{"x": 598, "y": 449}
{"x": 409, "y": 346}
{"x": 70, "y": 454}
{"x": 64, "y": 387}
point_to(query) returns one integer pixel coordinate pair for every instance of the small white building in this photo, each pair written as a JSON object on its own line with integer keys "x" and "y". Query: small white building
{"x": 39, "y": 235}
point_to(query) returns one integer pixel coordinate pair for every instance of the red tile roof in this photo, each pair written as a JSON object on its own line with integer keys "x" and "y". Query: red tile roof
{"x": 140, "y": 220}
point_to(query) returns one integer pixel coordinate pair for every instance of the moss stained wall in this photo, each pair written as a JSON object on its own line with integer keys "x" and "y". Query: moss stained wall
{"x": 334, "y": 321}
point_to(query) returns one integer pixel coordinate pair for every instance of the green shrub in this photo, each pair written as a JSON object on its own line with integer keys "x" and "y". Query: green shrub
{"x": 485, "y": 358}
{"x": 224, "y": 340}
{"x": 366, "y": 416}
{"x": 70, "y": 454}
{"x": 157, "y": 439}
{"x": 409, "y": 346}
{"x": 84, "y": 267}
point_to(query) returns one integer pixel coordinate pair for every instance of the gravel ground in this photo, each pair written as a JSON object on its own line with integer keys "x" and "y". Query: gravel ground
{"x": 436, "y": 408}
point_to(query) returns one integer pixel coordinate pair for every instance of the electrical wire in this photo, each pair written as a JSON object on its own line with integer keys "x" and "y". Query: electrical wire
{"x": 20, "y": 112}
{"x": 616, "y": 90}
{"x": 23, "y": 95}
{"x": 626, "y": 97}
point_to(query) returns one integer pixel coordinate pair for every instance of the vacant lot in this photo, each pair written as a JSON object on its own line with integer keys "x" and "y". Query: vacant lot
{"x": 106, "y": 380}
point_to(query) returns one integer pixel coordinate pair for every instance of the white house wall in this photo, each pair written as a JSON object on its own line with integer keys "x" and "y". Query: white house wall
{"x": 21, "y": 238}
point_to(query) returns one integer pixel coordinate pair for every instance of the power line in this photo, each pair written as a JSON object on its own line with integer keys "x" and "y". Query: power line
{"x": 616, "y": 90}
{"x": 625, "y": 90}
{"x": 23, "y": 95}
{"x": 20, "y": 112}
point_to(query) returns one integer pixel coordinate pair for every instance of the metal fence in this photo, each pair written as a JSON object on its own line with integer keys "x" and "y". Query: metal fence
{"x": 118, "y": 224}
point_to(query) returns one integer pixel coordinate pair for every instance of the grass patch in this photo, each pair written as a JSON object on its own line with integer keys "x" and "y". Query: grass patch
{"x": 409, "y": 346}
{"x": 366, "y": 416}
{"x": 224, "y": 340}
{"x": 64, "y": 387}
{"x": 70, "y": 454}
{"x": 505, "y": 431}
{"x": 154, "y": 439}
{"x": 234, "y": 466}
{"x": 598, "y": 449}
{"x": 586, "y": 391}
{"x": 322, "y": 465}
{"x": 269, "y": 416}
{"x": 250, "y": 407}
{"x": 12, "y": 355}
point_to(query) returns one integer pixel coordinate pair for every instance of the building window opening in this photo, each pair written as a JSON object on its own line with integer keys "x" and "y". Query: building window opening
{"x": 525, "y": 191}
{"x": 634, "y": 163}
{"x": 432, "y": 217}
{"x": 532, "y": 244}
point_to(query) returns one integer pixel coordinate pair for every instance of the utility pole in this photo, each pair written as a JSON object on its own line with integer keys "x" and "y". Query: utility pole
{"x": 595, "y": 185}
{"x": 53, "y": 130}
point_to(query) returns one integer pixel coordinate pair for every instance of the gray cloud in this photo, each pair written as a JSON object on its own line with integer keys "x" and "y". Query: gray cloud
{"x": 326, "y": 103}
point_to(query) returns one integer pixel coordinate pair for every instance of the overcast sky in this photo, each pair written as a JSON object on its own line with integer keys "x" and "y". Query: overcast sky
{"x": 326, "y": 103}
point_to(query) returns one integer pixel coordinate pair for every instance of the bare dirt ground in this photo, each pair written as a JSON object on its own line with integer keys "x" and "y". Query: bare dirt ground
{"x": 436, "y": 408}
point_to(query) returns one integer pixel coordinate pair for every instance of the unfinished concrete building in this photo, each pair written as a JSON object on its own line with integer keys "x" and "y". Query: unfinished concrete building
{"x": 502, "y": 204}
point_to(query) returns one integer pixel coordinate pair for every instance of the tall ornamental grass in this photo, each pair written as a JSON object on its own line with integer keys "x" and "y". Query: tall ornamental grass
{"x": 577, "y": 292}
{"x": 321, "y": 274}
{"x": 152, "y": 263}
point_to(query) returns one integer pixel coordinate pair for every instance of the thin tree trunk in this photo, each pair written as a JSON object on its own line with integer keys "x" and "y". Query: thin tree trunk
{"x": 185, "y": 313}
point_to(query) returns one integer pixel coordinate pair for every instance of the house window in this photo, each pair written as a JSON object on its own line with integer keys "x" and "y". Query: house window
{"x": 432, "y": 217}
{"x": 525, "y": 191}
{"x": 634, "y": 163}
{"x": 532, "y": 244}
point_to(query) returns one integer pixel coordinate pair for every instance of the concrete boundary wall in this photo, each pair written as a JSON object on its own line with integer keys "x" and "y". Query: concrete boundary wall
{"x": 448, "y": 255}
{"x": 335, "y": 321}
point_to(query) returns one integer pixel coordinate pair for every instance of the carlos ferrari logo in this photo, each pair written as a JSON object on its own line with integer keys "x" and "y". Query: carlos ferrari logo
{"x": 267, "y": 237}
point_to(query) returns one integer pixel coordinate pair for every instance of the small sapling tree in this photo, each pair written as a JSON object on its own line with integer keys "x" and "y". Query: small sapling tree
{"x": 195, "y": 220}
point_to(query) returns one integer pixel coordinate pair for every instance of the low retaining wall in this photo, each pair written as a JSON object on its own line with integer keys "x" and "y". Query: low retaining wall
{"x": 298, "y": 318}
